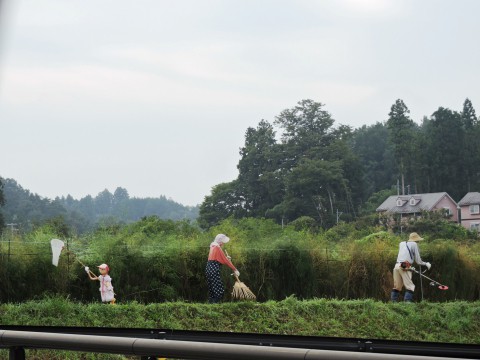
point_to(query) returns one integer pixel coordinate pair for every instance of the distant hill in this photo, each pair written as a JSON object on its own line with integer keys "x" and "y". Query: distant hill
{"x": 25, "y": 209}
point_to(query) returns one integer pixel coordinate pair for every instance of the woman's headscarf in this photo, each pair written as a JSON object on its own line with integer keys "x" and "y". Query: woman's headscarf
{"x": 219, "y": 240}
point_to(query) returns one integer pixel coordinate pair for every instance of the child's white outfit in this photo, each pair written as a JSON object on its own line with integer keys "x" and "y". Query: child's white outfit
{"x": 106, "y": 288}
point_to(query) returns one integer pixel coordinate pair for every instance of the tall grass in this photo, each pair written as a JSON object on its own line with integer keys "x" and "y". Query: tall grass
{"x": 156, "y": 260}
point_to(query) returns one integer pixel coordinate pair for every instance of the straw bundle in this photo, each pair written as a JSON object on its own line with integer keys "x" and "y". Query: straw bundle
{"x": 241, "y": 291}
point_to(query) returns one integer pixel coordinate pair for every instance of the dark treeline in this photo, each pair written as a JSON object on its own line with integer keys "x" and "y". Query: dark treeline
{"x": 304, "y": 167}
{"x": 25, "y": 210}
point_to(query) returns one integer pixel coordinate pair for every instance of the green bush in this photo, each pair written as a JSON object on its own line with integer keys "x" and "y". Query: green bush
{"x": 156, "y": 261}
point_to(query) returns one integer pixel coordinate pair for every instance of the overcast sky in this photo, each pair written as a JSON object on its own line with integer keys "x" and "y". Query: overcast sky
{"x": 155, "y": 96}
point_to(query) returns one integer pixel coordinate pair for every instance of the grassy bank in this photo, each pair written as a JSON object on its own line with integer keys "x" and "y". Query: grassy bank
{"x": 450, "y": 322}
{"x": 456, "y": 322}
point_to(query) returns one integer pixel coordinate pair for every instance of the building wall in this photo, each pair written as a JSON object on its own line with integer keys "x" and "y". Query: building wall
{"x": 446, "y": 202}
{"x": 467, "y": 218}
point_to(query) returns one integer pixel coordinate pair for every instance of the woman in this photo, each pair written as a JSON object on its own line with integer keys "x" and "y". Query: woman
{"x": 212, "y": 271}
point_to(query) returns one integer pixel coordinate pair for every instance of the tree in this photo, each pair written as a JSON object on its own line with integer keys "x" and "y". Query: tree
{"x": 471, "y": 155}
{"x": 469, "y": 118}
{"x": 2, "y": 202}
{"x": 26, "y": 209}
{"x": 370, "y": 144}
{"x": 86, "y": 206}
{"x": 120, "y": 195}
{"x": 307, "y": 131}
{"x": 312, "y": 146}
{"x": 444, "y": 152}
{"x": 259, "y": 180}
{"x": 401, "y": 137}
{"x": 225, "y": 201}
{"x": 316, "y": 188}
{"x": 103, "y": 203}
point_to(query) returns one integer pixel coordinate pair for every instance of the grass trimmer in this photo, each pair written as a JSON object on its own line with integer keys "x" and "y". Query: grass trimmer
{"x": 57, "y": 247}
{"x": 432, "y": 282}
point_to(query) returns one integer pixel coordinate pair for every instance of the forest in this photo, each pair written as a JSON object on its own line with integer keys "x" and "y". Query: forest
{"x": 26, "y": 211}
{"x": 300, "y": 167}
{"x": 303, "y": 165}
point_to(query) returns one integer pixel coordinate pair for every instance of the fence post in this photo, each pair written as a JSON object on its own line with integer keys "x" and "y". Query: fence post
{"x": 16, "y": 353}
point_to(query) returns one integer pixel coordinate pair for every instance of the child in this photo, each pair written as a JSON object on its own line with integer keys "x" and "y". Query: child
{"x": 106, "y": 288}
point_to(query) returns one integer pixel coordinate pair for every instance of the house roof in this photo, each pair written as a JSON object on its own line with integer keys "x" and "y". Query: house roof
{"x": 471, "y": 198}
{"x": 423, "y": 202}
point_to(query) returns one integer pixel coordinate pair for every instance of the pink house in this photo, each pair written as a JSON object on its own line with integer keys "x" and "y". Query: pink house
{"x": 415, "y": 204}
{"x": 470, "y": 211}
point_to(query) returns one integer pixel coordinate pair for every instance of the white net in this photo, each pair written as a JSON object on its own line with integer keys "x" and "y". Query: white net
{"x": 57, "y": 246}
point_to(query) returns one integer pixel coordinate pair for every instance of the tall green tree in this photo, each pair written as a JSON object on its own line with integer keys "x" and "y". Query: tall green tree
{"x": 444, "y": 150}
{"x": 307, "y": 130}
{"x": 120, "y": 195}
{"x": 370, "y": 144}
{"x": 401, "y": 136}
{"x": 103, "y": 203}
{"x": 471, "y": 155}
{"x": 318, "y": 164}
{"x": 469, "y": 117}
{"x": 259, "y": 180}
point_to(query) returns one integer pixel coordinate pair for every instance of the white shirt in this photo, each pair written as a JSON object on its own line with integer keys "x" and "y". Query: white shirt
{"x": 412, "y": 256}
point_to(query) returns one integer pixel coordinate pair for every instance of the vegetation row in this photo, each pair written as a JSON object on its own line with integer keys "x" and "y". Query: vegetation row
{"x": 156, "y": 260}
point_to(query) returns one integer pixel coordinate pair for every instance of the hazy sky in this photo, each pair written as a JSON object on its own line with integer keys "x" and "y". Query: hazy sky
{"x": 155, "y": 96}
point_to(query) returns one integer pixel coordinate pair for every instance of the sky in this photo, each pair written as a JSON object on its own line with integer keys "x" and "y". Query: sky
{"x": 155, "y": 96}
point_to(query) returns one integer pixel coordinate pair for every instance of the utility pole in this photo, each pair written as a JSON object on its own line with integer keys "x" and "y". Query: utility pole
{"x": 12, "y": 229}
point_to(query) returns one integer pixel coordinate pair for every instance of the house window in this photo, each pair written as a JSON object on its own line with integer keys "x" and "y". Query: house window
{"x": 399, "y": 202}
{"x": 474, "y": 209}
{"x": 412, "y": 201}
{"x": 475, "y": 226}
{"x": 447, "y": 211}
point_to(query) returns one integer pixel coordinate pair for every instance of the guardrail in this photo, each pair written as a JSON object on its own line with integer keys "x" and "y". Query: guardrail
{"x": 17, "y": 340}
{"x": 151, "y": 343}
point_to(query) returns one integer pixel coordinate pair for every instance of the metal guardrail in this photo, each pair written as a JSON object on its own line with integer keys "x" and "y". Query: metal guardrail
{"x": 200, "y": 341}
{"x": 175, "y": 348}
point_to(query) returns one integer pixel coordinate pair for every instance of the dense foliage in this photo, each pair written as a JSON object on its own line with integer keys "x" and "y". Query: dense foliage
{"x": 155, "y": 260}
{"x": 27, "y": 210}
{"x": 326, "y": 172}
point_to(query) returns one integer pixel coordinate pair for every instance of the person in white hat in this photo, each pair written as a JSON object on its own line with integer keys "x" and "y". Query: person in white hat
{"x": 106, "y": 288}
{"x": 216, "y": 257}
{"x": 408, "y": 254}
